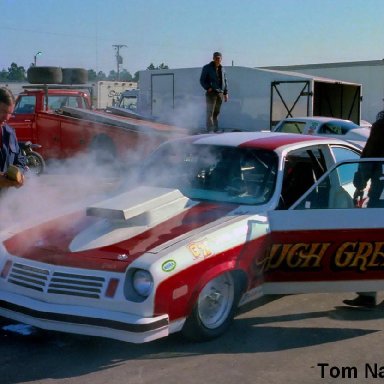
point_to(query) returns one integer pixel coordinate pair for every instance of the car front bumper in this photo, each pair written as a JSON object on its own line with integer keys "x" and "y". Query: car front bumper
{"x": 82, "y": 320}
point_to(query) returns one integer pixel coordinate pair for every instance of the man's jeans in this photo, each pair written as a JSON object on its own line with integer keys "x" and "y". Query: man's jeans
{"x": 213, "y": 101}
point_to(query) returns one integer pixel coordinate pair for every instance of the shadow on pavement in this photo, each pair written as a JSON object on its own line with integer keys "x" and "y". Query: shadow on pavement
{"x": 64, "y": 356}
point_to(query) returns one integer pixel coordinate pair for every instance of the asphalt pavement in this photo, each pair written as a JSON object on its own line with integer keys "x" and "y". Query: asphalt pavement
{"x": 309, "y": 338}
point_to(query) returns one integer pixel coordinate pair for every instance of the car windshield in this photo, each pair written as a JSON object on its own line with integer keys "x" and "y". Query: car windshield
{"x": 217, "y": 173}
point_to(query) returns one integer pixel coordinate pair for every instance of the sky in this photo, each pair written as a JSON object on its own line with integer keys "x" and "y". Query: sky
{"x": 185, "y": 33}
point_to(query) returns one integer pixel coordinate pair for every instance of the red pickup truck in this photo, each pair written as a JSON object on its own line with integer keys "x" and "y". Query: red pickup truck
{"x": 60, "y": 118}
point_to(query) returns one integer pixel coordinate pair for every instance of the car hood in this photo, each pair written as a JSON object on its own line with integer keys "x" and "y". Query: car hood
{"x": 115, "y": 232}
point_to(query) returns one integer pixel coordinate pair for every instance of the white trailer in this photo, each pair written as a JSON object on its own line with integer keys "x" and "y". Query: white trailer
{"x": 258, "y": 98}
{"x": 370, "y": 74}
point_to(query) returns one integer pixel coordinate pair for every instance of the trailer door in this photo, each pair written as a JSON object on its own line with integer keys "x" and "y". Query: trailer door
{"x": 337, "y": 100}
{"x": 289, "y": 99}
{"x": 163, "y": 93}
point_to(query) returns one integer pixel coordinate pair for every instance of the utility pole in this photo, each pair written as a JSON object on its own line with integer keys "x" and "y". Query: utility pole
{"x": 119, "y": 59}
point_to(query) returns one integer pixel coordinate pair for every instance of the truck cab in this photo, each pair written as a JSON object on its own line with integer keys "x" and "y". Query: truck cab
{"x": 38, "y": 98}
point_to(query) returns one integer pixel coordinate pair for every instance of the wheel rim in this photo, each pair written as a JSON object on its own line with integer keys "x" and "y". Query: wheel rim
{"x": 34, "y": 164}
{"x": 216, "y": 300}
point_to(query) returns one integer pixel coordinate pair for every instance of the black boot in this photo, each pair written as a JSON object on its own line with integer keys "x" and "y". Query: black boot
{"x": 362, "y": 301}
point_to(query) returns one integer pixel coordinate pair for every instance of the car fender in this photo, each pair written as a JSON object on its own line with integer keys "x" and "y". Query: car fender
{"x": 177, "y": 299}
{"x": 240, "y": 277}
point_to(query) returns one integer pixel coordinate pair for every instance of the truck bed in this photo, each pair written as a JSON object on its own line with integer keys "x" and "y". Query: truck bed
{"x": 130, "y": 123}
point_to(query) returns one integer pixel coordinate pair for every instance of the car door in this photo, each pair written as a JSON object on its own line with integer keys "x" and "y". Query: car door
{"x": 324, "y": 242}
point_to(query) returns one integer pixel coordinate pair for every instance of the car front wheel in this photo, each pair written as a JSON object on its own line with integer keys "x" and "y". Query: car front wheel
{"x": 214, "y": 309}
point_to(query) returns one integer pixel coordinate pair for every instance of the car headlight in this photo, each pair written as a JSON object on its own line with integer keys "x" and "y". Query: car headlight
{"x": 142, "y": 282}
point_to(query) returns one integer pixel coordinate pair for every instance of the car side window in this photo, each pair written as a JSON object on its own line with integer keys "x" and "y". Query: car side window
{"x": 336, "y": 191}
{"x": 75, "y": 102}
{"x": 58, "y": 102}
{"x": 346, "y": 172}
{"x": 330, "y": 129}
{"x": 302, "y": 169}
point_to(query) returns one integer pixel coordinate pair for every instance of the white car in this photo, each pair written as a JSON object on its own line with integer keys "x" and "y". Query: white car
{"x": 208, "y": 229}
{"x": 365, "y": 124}
{"x": 325, "y": 126}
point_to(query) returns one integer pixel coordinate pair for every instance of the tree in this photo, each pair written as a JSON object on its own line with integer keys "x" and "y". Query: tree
{"x": 16, "y": 73}
{"x": 136, "y": 76}
{"x": 125, "y": 75}
{"x": 92, "y": 76}
{"x": 101, "y": 76}
{"x": 112, "y": 75}
{"x": 3, "y": 75}
{"x": 161, "y": 66}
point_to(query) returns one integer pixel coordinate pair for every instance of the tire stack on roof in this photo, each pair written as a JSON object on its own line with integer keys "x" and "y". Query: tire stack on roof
{"x": 57, "y": 75}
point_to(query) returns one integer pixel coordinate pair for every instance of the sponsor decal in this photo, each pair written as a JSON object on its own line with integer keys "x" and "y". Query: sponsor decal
{"x": 352, "y": 255}
{"x": 200, "y": 249}
{"x": 168, "y": 265}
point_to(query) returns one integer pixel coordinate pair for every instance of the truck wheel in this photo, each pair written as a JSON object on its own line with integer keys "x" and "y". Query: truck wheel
{"x": 75, "y": 76}
{"x": 44, "y": 75}
{"x": 103, "y": 150}
{"x": 214, "y": 309}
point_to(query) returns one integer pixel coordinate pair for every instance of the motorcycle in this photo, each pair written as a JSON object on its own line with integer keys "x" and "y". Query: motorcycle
{"x": 35, "y": 161}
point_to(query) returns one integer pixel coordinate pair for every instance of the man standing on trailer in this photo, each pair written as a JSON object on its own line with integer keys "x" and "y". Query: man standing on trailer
{"x": 214, "y": 80}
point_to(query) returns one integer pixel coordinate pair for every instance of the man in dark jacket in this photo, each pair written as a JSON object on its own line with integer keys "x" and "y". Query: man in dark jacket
{"x": 9, "y": 147}
{"x": 373, "y": 148}
{"x": 214, "y": 80}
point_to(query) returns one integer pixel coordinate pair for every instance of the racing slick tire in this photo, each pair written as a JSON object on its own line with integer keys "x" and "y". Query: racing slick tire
{"x": 214, "y": 309}
{"x": 75, "y": 76}
{"x": 44, "y": 75}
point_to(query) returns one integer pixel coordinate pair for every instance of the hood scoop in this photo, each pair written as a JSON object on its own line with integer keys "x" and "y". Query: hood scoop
{"x": 130, "y": 214}
{"x": 136, "y": 203}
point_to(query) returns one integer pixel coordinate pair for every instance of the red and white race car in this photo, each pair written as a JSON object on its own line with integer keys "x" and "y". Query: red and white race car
{"x": 207, "y": 230}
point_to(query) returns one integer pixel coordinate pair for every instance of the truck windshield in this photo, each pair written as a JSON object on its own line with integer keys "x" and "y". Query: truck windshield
{"x": 128, "y": 102}
{"x": 211, "y": 172}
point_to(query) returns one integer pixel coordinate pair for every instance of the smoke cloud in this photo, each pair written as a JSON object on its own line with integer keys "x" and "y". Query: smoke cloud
{"x": 65, "y": 187}
{"x": 73, "y": 184}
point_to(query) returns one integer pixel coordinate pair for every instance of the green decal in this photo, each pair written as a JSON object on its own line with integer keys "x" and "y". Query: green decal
{"x": 168, "y": 265}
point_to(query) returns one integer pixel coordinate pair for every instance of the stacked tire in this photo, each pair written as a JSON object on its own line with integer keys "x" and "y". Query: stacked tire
{"x": 57, "y": 75}
{"x": 75, "y": 76}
